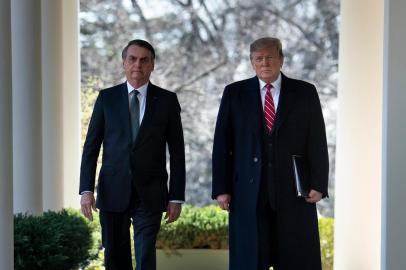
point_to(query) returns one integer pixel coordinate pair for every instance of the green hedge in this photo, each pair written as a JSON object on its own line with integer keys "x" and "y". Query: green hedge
{"x": 66, "y": 240}
{"x": 326, "y": 228}
{"x": 205, "y": 227}
{"x": 54, "y": 240}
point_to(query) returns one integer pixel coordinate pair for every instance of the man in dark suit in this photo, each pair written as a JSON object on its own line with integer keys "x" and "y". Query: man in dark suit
{"x": 134, "y": 121}
{"x": 262, "y": 123}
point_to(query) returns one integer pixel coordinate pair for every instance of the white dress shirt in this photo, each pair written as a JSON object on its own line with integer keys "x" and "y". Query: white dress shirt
{"x": 142, "y": 97}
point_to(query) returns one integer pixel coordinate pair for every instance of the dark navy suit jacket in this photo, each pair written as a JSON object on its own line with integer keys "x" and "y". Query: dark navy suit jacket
{"x": 143, "y": 161}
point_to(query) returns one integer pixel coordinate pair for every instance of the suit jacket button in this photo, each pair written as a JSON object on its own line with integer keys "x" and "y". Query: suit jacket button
{"x": 251, "y": 180}
{"x": 129, "y": 172}
{"x": 255, "y": 159}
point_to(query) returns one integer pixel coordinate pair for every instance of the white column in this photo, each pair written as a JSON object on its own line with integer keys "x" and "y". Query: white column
{"x": 6, "y": 141}
{"x": 359, "y": 137}
{"x": 71, "y": 102}
{"x": 52, "y": 109}
{"x": 26, "y": 79}
{"x": 394, "y": 134}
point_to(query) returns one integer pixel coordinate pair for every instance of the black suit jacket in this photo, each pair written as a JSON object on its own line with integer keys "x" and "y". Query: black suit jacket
{"x": 143, "y": 161}
{"x": 238, "y": 164}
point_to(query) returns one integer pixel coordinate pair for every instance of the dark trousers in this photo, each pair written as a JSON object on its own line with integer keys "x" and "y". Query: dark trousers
{"x": 117, "y": 240}
{"x": 267, "y": 237}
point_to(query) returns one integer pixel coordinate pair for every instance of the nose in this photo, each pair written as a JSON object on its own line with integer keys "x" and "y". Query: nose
{"x": 137, "y": 63}
{"x": 264, "y": 60}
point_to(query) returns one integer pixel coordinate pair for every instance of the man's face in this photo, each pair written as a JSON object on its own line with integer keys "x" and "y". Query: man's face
{"x": 138, "y": 64}
{"x": 267, "y": 64}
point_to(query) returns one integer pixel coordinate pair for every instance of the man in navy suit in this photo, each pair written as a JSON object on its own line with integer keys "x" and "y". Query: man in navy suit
{"x": 262, "y": 123}
{"x": 135, "y": 122}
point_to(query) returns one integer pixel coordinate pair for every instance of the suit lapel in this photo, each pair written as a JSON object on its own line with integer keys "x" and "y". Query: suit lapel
{"x": 150, "y": 108}
{"x": 123, "y": 109}
{"x": 286, "y": 102}
{"x": 251, "y": 100}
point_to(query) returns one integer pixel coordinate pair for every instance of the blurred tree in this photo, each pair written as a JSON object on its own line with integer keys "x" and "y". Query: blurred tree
{"x": 202, "y": 45}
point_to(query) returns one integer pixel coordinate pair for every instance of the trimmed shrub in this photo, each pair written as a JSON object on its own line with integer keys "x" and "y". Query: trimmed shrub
{"x": 54, "y": 240}
{"x": 66, "y": 240}
{"x": 326, "y": 228}
{"x": 205, "y": 227}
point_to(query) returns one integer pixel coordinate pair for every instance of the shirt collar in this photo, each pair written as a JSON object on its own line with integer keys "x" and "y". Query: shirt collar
{"x": 142, "y": 89}
{"x": 276, "y": 84}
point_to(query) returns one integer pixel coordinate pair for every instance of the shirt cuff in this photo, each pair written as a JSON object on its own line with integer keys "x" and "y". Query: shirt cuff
{"x": 86, "y": 191}
{"x": 177, "y": 201}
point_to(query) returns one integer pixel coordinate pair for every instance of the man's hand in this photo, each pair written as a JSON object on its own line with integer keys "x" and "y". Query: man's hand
{"x": 224, "y": 201}
{"x": 173, "y": 212}
{"x": 314, "y": 196}
{"x": 87, "y": 203}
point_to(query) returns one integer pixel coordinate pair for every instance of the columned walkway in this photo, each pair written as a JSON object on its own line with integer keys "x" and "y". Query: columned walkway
{"x": 46, "y": 127}
{"x": 40, "y": 127}
{"x": 370, "y": 181}
{"x": 39, "y": 111}
{"x": 6, "y": 140}
{"x": 27, "y": 95}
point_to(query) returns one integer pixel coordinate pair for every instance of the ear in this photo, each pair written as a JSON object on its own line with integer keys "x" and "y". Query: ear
{"x": 252, "y": 63}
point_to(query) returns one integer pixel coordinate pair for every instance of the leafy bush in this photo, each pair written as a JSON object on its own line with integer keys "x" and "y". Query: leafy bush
{"x": 66, "y": 240}
{"x": 54, "y": 240}
{"x": 205, "y": 227}
{"x": 326, "y": 228}
{"x": 196, "y": 228}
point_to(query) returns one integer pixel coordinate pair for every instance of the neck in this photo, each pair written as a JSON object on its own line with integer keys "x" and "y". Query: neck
{"x": 137, "y": 83}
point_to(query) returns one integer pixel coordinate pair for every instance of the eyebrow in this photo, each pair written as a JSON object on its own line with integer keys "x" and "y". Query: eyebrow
{"x": 136, "y": 57}
{"x": 132, "y": 55}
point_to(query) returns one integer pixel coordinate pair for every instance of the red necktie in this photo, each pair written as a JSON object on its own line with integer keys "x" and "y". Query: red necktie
{"x": 269, "y": 108}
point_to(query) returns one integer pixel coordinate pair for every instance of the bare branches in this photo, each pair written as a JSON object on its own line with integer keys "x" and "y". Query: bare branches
{"x": 202, "y": 45}
{"x": 208, "y": 12}
{"x": 290, "y": 21}
{"x": 187, "y": 4}
{"x": 143, "y": 19}
{"x": 201, "y": 75}
{"x": 293, "y": 4}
